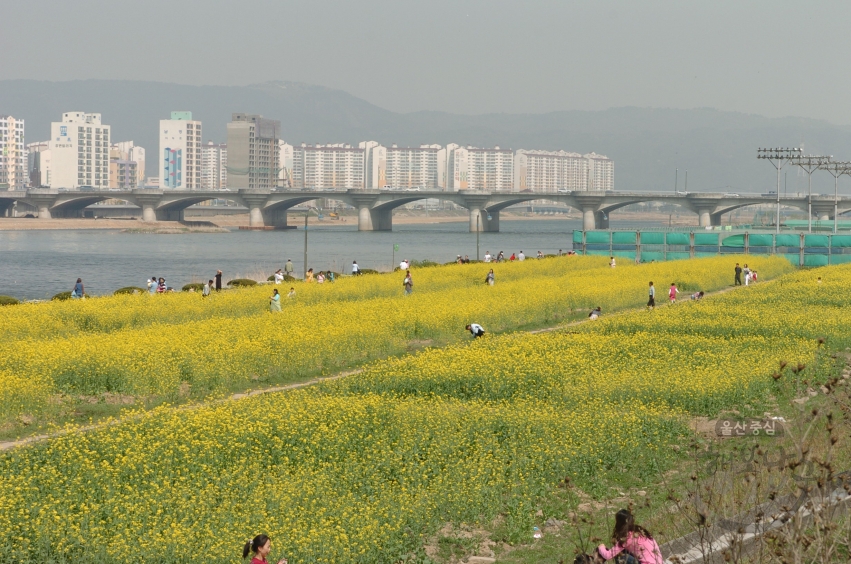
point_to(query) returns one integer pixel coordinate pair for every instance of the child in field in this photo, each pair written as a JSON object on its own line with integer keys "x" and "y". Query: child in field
{"x": 476, "y": 330}
{"x": 651, "y": 303}
{"x": 697, "y": 296}
{"x": 633, "y": 539}
{"x": 595, "y": 313}
{"x": 672, "y": 293}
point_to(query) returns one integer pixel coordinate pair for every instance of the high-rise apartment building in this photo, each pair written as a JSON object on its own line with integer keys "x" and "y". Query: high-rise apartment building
{"x": 474, "y": 168}
{"x": 13, "y": 168}
{"x": 38, "y": 163}
{"x": 123, "y": 174}
{"x": 180, "y": 152}
{"x": 285, "y": 156}
{"x": 79, "y": 146}
{"x": 214, "y": 165}
{"x": 328, "y": 166}
{"x": 412, "y": 167}
{"x": 374, "y": 165}
{"x": 601, "y": 172}
{"x": 253, "y": 159}
{"x": 125, "y": 162}
{"x": 550, "y": 171}
{"x": 132, "y": 152}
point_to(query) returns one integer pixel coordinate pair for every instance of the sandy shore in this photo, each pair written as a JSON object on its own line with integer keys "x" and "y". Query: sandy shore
{"x": 233, "y": 221}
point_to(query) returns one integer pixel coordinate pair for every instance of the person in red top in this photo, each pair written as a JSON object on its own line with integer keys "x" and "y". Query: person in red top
{"x": 260, "y": 545}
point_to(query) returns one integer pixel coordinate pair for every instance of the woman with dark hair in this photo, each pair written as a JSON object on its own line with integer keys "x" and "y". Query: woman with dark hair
{"x": 79, "y": 291}
{"x": 260, "y": 545}
{"x": 633, "y": 539}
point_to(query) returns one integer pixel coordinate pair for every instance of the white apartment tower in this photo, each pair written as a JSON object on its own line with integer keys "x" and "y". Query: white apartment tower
{"x": 79, "y": 146}
{"x": 214, "y": 165}
{"x": 412, "y": 167}
{"x": 253, "y": 152}
{"x": 548, "y": 172}
{"x": 285, "y": 155}
{"x": 132, "y": 152}
{"x": 474, "y": 168}
{"x": 601, "y": 172}
{"x": 13, "y": 168}
{"x": 179, "y": 159}
{"x": 326, "y": 167}
{"x": 374, "y": 165}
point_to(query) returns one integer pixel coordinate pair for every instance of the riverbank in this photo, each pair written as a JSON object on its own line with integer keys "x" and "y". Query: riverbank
{"x": 403, "y": 217}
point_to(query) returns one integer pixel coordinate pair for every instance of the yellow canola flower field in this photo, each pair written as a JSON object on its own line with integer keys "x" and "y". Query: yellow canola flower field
{"x": 365, "y": 468}
{"x": 158, "y": 345}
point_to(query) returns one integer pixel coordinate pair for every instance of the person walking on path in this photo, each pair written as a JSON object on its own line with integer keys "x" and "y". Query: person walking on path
{"x": 289, "y": 268}
{"x": 78, "y": 291}
{"x": 218, "y": 280}
{"x": 320, "y": 278}
{"x": 279, "y": 276}
{"x": 672, "y": 293}
{"x": 291, "y": 294}
{"x": 512, "y": 258}
{"x": 309, "y": 277}
{"x": 404, "y": 265}
{"x": 490, "y": 278}
{"x": 488, "y": 256}
{"x": 408, "y": 284}
{"x": 747, "y": 272}
{"x": 651, "y": 303}
{"x": 633, "y": 539}
{"x": 152, "y": 285}
{"x": 476, "y": 329}
{"x": 738, "y": 279}
{"x": 500, "y": 257}
{"x": 612, "y": 262}
{"x": 521, "y": 256}
{"x": 206, "y": 290}
{"x": 355, "y": 268}
{"x": 330, "y": 277}
{"x": 275, "y": 302}
{"x": 260, "y": 545}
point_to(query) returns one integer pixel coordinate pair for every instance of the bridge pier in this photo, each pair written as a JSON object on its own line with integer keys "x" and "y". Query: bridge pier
{"x": 823, "y": 211}
{"x": 43, "y": 200}
{"x": 479, "y": 221}
{"x": 255, "y": 200}
{"x": 148, "y": 200}
{"x": 590, "y": 207}
{"x": 601, "y": 219}
{"x": 276, "y": 217}
{"x": 6, "y": 209}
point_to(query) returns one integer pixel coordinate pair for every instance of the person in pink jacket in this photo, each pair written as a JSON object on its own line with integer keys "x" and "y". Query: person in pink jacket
{"x": 632, "y": 538}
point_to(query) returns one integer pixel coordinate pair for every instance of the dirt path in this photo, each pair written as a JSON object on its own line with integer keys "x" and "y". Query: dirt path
{"x": 7, "y": 445}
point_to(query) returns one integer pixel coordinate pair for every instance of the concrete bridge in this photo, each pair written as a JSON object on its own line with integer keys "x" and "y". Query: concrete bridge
{"x": 375, "y": 207}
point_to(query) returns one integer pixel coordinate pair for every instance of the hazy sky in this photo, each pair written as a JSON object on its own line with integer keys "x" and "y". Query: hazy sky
{"x": 774, "y": 58}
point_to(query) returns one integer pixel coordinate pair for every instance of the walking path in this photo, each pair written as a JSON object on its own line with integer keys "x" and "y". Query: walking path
{"x": 7, "y": 445}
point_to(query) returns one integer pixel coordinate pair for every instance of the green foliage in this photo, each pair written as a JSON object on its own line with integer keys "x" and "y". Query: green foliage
{"x": 129, "y": 290}
{"x": 8, "y": 300}
{"x": 197, "y": 286}
{"x": 62, "y": 296}
{"x": 242, "y": 282}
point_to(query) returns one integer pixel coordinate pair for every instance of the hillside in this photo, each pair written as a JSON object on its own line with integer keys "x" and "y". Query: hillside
{"x": 717, "y": 148}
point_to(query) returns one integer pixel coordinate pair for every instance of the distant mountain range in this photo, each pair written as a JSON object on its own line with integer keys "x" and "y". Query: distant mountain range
{"x": 717, "y": 148}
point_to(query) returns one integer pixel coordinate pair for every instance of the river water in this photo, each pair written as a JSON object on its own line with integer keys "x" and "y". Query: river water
{"x": 39, "y": 264}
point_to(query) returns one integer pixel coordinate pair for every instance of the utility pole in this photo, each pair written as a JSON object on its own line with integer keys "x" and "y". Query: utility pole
{"x": 836, "y": 169}
{"x": 810, "y": 164}
{"x": 777, "y": 157}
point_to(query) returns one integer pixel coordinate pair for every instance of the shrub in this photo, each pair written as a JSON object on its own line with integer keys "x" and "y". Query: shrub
{"x": 425, "y": 263}
{"x": 368, "y": 271}
{"x": 62, "y": 296}
{"x": 8, "y": 300}
{"x": 242, "y": 282}
{"x": 197, "y": 286}
{"x": 129, "y": 290}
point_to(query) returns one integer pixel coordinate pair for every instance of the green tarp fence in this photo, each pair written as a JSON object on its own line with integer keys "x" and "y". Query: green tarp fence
{"x": 706, "y": 239}
{"x": 597, "y": 237}
{"x": 816, "y": 240}
{"x": 678, "y": 239}
{"x": 734, "y": 241}
{"x": 840, "y": 241}
{"x": 786, "y": 240}
{"x": 760, "y": 240}
{"x": 653, "y": 238}
{"x": 623, "y": 238}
